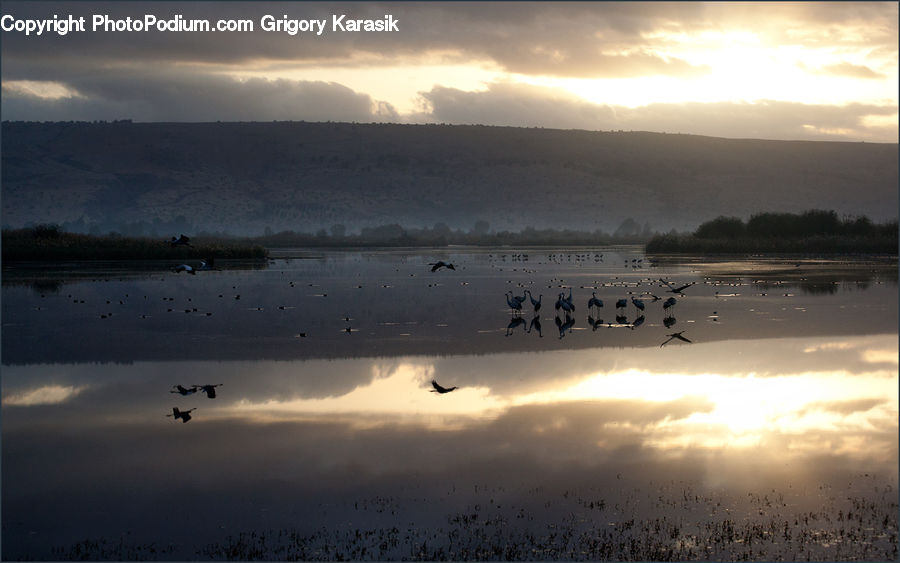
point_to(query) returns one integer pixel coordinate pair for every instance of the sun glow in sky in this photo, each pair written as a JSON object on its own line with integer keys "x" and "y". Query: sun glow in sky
{"x": 811, "y": 70}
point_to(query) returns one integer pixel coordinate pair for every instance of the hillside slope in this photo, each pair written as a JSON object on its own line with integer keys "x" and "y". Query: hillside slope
{"x": 242, "y": 178}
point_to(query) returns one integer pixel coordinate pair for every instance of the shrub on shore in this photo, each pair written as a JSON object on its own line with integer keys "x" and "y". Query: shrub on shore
{"x": 813, "y": 231}
{"x": 48, "y": 242}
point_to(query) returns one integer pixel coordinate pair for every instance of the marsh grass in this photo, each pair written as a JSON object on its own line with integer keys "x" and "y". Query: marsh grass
{"x": 48, "y": 243}
{"x": 676, "y": 523}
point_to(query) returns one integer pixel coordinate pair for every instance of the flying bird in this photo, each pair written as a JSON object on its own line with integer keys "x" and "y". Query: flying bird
{"x": 210, "y": 390}
{"x": 439, "y": 389}
{"x": 674, "y": 336}
{"x": 435, "y": 266}
{"x": 183, "y": 391}
{"x": 673, "y": 289}
{"x": 183, "y": 415}
{"x": 180, "y": 241}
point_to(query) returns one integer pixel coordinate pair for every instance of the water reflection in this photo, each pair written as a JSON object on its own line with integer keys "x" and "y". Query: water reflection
{"x": 761, "y": 414}
{"x": 314, "y": 405}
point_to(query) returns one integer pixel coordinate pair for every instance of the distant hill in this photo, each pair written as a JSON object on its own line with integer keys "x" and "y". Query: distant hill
{"x": 244, "y": 178}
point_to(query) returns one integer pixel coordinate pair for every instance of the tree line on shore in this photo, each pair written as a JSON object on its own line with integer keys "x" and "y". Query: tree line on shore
{"x": 811, "y": 231}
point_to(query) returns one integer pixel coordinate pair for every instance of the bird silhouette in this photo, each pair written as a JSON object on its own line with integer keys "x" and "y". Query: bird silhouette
{"x": 673, "y": 289}
{"x": 439, "y": 389}
{"x": 563, "y": 326}
{"x": 536, "y": 303}
{"x": 513, "y": 323}
{"x": 183, "y": 415}
{"x": 183, "y": 391}
{"x": 621, "y": 303}
{"x": 673, "y": 336}
{"x": 180, "y": 241}
{"x": 513, "y": 302}
{"x": 594, "y": 301}
{"x": 536, "y": 324}
{"x": 637, "y": 322}
{"x": 668, "y": 304}
{"x": 638, "y": 303}
{"x": 435, "y": 266}
{"x": 210, "y": 390}
{"x": 185, "y": 268}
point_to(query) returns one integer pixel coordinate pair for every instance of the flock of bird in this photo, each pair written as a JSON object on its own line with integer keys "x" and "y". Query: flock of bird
{"x": 565, "y": 306}
{"x": 185, "y": 416}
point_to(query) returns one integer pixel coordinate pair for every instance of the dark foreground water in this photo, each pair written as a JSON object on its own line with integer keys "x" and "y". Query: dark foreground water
{"x": 755, "y": 418}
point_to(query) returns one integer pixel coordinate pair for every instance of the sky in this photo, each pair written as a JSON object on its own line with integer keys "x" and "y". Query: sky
{"x": 778, "y": 70}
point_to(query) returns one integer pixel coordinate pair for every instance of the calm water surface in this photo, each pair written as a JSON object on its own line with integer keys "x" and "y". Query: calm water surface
{"x": 767, "y": 428}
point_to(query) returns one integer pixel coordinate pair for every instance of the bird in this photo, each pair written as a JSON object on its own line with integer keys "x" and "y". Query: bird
{"x": 669, "y": 303}
{"x": 568, "y": 300}
{"x": 594, "y": 301}
{"x": 638, "y": 303}
{"x": 182, "y": 391}
{"x": 207, "y": 264}
{"x": 513, "y": 302}
{"x": 621, "y": 303}
{"x": 536, "y": 303}
{"x": 637, "y": 322}
{"x": 674, "y": 336}
{"x": 673, "y": 289}
{"x": 183, "y": 415}
{"x": 439, "y": 389}
{"x": 563, "y": 326}
{"x": 516, "y": 321}
{"x": 536, "y": 324}
{"x": 435, "y": 266}
{"x": 210, "y": 390}
{"x": 180, "y": 241}
{"x": 185, "y": 268}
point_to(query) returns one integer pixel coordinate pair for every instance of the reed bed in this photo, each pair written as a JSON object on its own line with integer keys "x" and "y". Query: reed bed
{"x": 50, "y": 244}
{"x": 678, "y": 524}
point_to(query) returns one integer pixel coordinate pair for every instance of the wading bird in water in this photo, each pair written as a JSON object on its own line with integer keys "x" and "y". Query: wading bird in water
{"x": 513, "y": 302}
{"x": 183, "y": 415}
{"x": 441, "y": 390}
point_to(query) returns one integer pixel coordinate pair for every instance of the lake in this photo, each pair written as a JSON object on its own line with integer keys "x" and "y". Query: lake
{"x": 756, "y": 417}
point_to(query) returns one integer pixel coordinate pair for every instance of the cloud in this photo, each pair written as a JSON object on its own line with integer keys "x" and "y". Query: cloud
{"x": 847, "y": 69}
{"x": 529, "y": 106}
{"x": 171, "y": 95}
{"x": 45, "y": 395}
